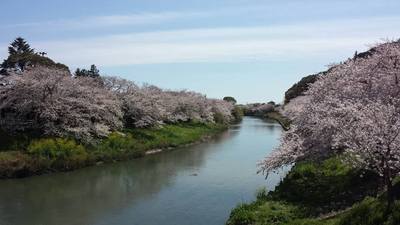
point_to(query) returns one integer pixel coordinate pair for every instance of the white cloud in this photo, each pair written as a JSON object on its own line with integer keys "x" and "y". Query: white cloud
{"x": 108, "y": 21}
{"x": 133, "y": 19}
{"x": 296, "y": 41}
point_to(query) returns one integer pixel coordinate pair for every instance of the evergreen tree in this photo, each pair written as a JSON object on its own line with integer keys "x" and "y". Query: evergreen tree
{"x": 19, "y": 46}
{"x": 230, "y": 99}
{"x": 93, "y": 72}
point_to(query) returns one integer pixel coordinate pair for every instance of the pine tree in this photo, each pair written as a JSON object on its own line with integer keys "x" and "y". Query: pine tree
{"x": 93, "y": 72}
{"x": 20, "y": 46}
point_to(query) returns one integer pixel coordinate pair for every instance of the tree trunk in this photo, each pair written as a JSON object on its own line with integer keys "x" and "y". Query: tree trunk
{"x": 389, "y": 188}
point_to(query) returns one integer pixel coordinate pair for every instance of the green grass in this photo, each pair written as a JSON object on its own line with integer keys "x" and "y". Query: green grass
{"x": 45, "y": 155}
{"x": 135, "y": 142}
{"x": 313, "y": 189}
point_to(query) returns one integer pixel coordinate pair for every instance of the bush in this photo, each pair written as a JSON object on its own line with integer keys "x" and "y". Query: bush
{"x": 15, "y": 164}
{"x": 220, "y": 118}
{"x": 322, "y": 187}
{"x": 58, "y": 152}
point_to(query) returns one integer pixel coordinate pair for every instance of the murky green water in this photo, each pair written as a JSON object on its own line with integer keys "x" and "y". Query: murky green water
{"x": 189, "y": 186}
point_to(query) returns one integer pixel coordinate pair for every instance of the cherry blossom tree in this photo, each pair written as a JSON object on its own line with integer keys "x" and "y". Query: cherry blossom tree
{"x": 352, "y": 109}
{"x": 51, "y": 102}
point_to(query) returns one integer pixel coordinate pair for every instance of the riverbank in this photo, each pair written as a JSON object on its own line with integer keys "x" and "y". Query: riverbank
{"x": 22, "y": 157}
{"x": 278, "y": 117}
{"x": 326, "y": 193}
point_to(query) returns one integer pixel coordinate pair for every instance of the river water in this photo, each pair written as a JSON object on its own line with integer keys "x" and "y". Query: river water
{"x": 197, "y": 185}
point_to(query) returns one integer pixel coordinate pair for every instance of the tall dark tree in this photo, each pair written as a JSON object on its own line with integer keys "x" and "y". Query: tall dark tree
{"x": 19, "y": 46}
{"x": 19, "y": 52}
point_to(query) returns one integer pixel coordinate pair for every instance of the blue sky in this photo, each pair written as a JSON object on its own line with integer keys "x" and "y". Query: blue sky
{"x": 252, "y": 50}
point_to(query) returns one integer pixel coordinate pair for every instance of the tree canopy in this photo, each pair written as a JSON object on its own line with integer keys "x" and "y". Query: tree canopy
{"x": 93, "y": 72}
{"x": 230, "y": 99}
{"x": 21, "y": 56}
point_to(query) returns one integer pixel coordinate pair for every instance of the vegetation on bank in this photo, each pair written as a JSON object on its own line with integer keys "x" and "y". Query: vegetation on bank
{"x": 53, "y": 120}
{"x": 344, "y": 144}
{"x": 278, "y": 117}
{"x": 300, "y": 87}
{"x": 326, "y": 193}
{"x": 24, "y": 157}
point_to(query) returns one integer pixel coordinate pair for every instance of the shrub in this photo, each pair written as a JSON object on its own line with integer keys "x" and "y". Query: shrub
{"x": 58, "y": 152}
{"x": 15, "y": 164}
{"x": 322, "y": 187}
{"x": 219, "y": 118}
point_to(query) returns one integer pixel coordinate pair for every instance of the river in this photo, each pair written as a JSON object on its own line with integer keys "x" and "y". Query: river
{"x": 196, "y": 185}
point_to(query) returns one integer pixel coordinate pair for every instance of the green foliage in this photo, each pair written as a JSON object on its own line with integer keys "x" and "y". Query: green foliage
{"x": 238, "y": 113}
{"x": 326, "y": 186}
{"x": 262, "y": 194}
{"x": 243, "y": 214}
{"x": 311, "y": 189}
{"x": 268, "y": 212}
{"x": 58, "y": 152}
{"x": 135, "y": 142}
{"x": 230, "y": 99}
{"x": 173, "y": 135}
{"x": 372, "y": 211}
{"x": 119, "y": 146}
{"x": 300, "y": 87}
{"x": 271, "y": 103}
{"x": 93, "y": 72}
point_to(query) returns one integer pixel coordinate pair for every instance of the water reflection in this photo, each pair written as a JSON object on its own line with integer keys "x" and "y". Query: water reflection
{"x": 177, "y": 187}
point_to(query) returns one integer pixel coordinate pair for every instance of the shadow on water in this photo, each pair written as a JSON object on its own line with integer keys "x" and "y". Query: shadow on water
{"x": 192, "y": 185}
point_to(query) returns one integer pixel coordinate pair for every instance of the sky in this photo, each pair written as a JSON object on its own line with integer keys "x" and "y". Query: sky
{"x": 253, "y": 50}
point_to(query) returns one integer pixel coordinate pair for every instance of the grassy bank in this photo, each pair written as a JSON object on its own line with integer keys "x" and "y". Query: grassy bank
{"x": 327, "y": 193}
{"x": 21, "y": 156}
